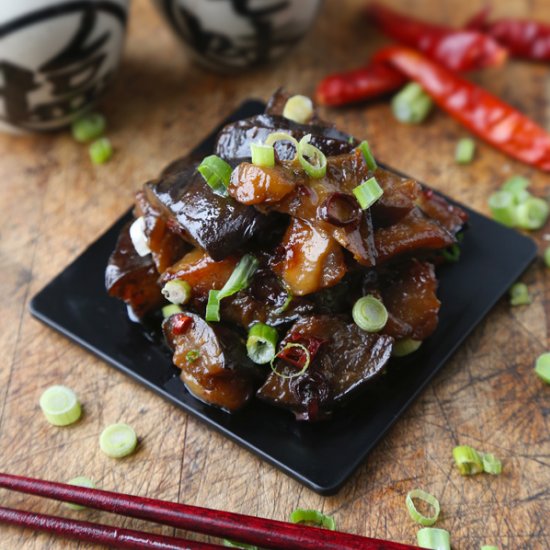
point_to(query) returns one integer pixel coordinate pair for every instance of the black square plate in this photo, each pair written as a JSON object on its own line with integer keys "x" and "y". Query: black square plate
{"x": 321, "y": 456}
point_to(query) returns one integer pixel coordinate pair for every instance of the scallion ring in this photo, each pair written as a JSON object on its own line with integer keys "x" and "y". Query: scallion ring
{"x": 118, "y": 440}
{"x": 261, "y": 343}
{"x": 517, "y": 186}
{"x": 242, "y": 545}
{"x": 60, "y": 406}
{"x": 415, "y": 514}
{"x": 213, "y": 306}
{"x": 532, "y": 213}
{"x": 262, "y": 155}
{"x": 542, "y": 367}
{"x": 316, "y": 167}
{"x": 368, "y": 193}
{"x": 488, "y": 547}
{"x": 370, "y": 314}
{"x": 88, "y": 127}
{"x": 313, "y": 517}
{"x": 100, "y": 150}
{"x": 491, "y": 464}
{"x": 465, "y": 150}
{"x": 405, "y": 347}
{"x": 80, "y": 481}
{"x": 272, "y": 138}
{"x": 286, "y": 303}
{"x": 433, "y": 538}
{"x": 302, "y": 370}
{"x": 412, "y": 104}
{"x": 298, "y": 108}
{"x": 519, "y": 295}
{"x": 503, "y": 208}
{"x": 172, "y": 309}
{"x": 367, "y": 154}
{"x": 217, "y": 173}
{"x": 467, "y": 460}
{"x": 177, "y": 291}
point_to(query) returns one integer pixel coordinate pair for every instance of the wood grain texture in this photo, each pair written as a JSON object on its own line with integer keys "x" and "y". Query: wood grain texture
{"x": 54, "y": 203}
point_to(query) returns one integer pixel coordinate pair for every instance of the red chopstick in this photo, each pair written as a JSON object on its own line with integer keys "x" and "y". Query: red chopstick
{"x": 252, "y": 530}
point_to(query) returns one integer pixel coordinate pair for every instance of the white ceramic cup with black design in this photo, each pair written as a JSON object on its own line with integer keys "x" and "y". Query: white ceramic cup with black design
{"x": 232, "y": 35}
{"x": 56, "y": 57}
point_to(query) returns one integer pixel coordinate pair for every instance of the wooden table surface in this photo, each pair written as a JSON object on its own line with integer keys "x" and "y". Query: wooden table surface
{"x": 54, "y": 203}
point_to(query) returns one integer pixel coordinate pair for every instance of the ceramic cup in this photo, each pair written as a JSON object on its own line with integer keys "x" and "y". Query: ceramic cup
{"x": 56, "y": 57}
{"x": 231, "y": 35}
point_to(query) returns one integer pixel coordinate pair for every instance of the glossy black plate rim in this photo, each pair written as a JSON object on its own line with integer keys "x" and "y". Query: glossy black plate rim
{"x": 332, "y": 479}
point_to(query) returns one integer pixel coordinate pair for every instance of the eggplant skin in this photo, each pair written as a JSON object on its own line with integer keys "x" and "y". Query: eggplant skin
{"x": 213, "y": 362}
{"x": 347, "y": 360}
{"x": 133, "y": 278}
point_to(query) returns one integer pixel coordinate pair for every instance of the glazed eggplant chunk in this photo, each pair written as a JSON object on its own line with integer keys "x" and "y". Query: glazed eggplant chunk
{"x": 289, "y": 267}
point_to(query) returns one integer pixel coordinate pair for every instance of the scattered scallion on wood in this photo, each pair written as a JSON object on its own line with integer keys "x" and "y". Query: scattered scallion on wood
{"x": 542, "y": 367}
{"x": 313, "y": 517}
{"x": 177, "y": 291}
{"x": 519, "y": 295}
{"x": 298, "y": 108}
{"x": 405, "y": 346}
{"x": 261, "y": 343}
{"x": 532, "y": 213}
{"x": 172, "y": 309}
{"x": 467, "y": 460}
{"x": 465, "y": 150}
{"x": 370, "y": 314}
{"x": 80, "y": 481}
{"x": 412, "y": 104}
{"x": 101, "y": 150}
{"x": 88, "y": 127}
{"x": 118, "y": 440}
{"x": 305, "y": 366}
{"x": 503, "y": 208}
{"x": 367, "y": 154}
{"x": 216, "y": 172}
{"x": 262, "y": 155}
{"x": 491, "y": 464}
{"x": 434, "y": 539}
{"x": 316, "y": 166}
{"x": 517, "y": 185}
{"x": 60, "y": 406}
{"x": 368, "y": 192}
{"x": 488, "y": 547}
{"x": 415, "y": 514}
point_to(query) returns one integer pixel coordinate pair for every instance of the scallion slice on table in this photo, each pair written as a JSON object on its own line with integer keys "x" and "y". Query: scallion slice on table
{"x": 298, "y": 108}
{"x": 216, "y": 172}
{"x": 80, "y": 481}
{"x": 262, "y": 155}
{"x": 415, "y": 514}
{"x": 488, "y": 547}
{"x": 316, "y": 167}
{"x": 542, "y": 367}
{"x": 434, "y": 539}
{"x": 503, "y": 208}
{"x": 517, "y": 186}
{"x": 532, "y": 213}
{"x": 369, "y": 157}
{"x": 313, "y": 517}
{"x": 118, "y": 440}
{"x": 519, "y": 295}
{"x": 88, "y": 127}
{"x": 405, "y": 347}
{"x": 370, "y": 314}
{"x": 239, "y": 279}
{"x": 368, "y": 193}
{"x": 491, "y": 464}
{"x": 261, "y": 343}
{"x": 286, "y": 348}
{"x": 468, "y": 461}
{"x": 177, "y": 291}
{"x": 412, "y": 104}
{"x": 60, "y": 406}
{"x": 101, "y": 150}
{"x": 172, "y": 309}
{"x": 465, "y": 150}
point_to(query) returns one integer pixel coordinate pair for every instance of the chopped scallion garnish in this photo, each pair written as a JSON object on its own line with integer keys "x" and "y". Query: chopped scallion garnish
{"x": 542, "y": 367}
{"x": 262, "y": 155}
{"x": 313, "y": 517}
{"x": 261, "y": 343}
{"x": 503, "y": 208}
{"x": 491, "y": 464}
{"x": 192, "y": 355}
{"x": 368, "y": 193}
{"x": 213, "y": 306}
{"x": 370, "y": 314}
{"x": 434, "y": 539}
{"x": 412, "y": 104}
{"x": 405, "y": 347}
{"x": 316, "y": 167}
{"x": 532, "y": 213}
{"x": 298, "y": 108}
{"x": 281, "y": 136}
{"x": 452, "y": 253}
{"x": 80, "y": 481}
{"x": 172, "y": 309}
{"x": 118, "y": 440}
{"x": 88, "y": 127}
{"x": 60, "y": 406}
{"x": 468, "y": 460}
{"x": 286, "y": 348}
{"x": 519, "y": 295}
{"x": 138, "y": 237}
{"x": 367, "y": 154}
{"x": 415, "y": 514}
{"x": 177, "y": 291}
{"x": 216, "y": 172}
{"x": 286, "y": 303}
{"x": 465, "y": 149}
{"x": 100, "y": 150}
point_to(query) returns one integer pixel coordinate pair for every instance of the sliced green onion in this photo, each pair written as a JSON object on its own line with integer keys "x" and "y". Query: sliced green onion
{"x": 298, "y": 108}
{"x": 405, "y": 347}
{"x": 303, "y": 369}
{"x": 415, "y": 514}
{"x": 216, "y": 172}
{"x": 172, "y": 309}
{"x": 261, "y": 343}
{"x": 488, "y": 547}
{"x": 286, "y": 303}
{"x": 88, "y": 127}
{"x": 491, "y": 464}
{"x": 370, "y": 314}
{"x": 434, "y": 539}
{"x": 503, "y": 208}
{"x": 60, "y": 406}
{"x": 313, "y": 517}
{"x": 118, "y": 440}
{"x": 368, "y": 193}
{"x": 467, "y": 460}
{"x": 465, "y": 149}
{"x": 100, "y": 150}
{"x": 177, "y": 291}
{"x": 517, "y": 186}
{"x": 138, "y": 237}
{"x": 262, "y": 155}
{"x": 519, "y": 295}
{"x": 192, "y": 355}
{"x": 239, "y": 279}
{"x": 532, "y": 213}
{"x": 80, "y": 481}
{"x": 412, "y": 104}
{"x": 546, "y": 256}
{"x": 233, "y": 544}
{"x": 281, "y": 136}
{"x": 542, "y": 367}
{"x": 452, "y": 253}
{"x": 317, "y": 167}
{"x": 369, "y": 158}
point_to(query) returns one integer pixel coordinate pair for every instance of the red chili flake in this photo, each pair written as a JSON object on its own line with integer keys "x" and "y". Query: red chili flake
{"x": 181, "y": 323}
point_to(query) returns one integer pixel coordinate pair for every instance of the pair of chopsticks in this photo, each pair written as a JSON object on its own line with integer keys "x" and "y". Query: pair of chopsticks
{"x": 248, "y": 529}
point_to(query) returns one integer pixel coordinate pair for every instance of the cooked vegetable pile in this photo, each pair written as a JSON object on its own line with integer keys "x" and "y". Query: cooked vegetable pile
{"x": 288, "y": 266}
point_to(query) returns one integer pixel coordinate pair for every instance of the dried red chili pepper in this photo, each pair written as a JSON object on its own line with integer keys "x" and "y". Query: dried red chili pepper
{"x": 457, "y": 49}
{"x": 521, "y": 37}
{"x": 181, "y": 323}
{"x": 484, "y": 114}
{"x": 295, "y": 355}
